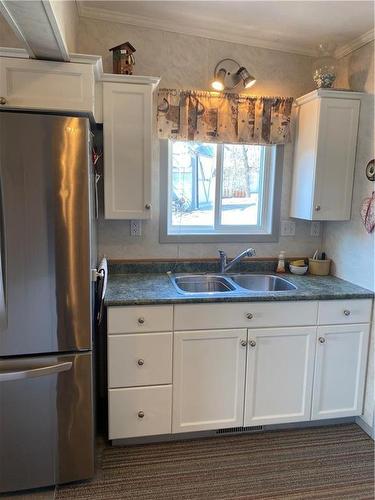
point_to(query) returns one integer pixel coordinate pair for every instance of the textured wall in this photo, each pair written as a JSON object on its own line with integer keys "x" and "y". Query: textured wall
{"x": 350, "y": 246}
{"x": 188, "y": 62}
{"x": 348, "y": 243}
{"x": 7, "y": 35}
{"x": 67, "y": 18}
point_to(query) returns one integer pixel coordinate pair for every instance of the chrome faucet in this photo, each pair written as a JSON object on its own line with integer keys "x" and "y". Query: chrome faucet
{"x": 225, "y": 265}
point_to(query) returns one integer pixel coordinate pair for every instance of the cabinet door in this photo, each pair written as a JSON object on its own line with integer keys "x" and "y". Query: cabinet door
{"x": 127, "y": 122}
{"x": 340, "y": 371}
{"x": 304, "y": 160}
{"x": 208, "y": 379}
{"x": 337, "y": 139}
{"x": 280, "y": 367}
{"x": 46, "y": 85}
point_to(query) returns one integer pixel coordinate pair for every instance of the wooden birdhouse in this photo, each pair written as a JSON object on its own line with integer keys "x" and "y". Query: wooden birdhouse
{"x": 123, "y": 59}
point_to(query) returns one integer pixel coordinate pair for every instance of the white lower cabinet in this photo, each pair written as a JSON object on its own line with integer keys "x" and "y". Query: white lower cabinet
{"x": 340, "y": 371}
{"x": 279, "y": 375}
{"x": 208, "y": 379}
{"x": 165, "y": 379}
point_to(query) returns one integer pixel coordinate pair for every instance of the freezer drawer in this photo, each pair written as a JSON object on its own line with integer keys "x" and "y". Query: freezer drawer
{"x": 46, "y": 420}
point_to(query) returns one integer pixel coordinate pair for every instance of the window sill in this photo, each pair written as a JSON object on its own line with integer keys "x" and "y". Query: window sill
{"x": 218, "y": 238}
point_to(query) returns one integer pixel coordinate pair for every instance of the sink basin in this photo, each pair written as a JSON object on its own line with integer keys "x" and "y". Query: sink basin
{"x": 231, "y": 284}
{"x": 202, "y": 284}
{"x": 262, "y": 282}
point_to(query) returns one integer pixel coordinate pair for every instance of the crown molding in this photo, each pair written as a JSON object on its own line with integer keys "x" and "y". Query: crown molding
{"x": 137, "y": 79}
{"x": 94, "y": 61}
{"x": 332, "y": 93}
{"x": 225, "y": 34}
{"x": 355, "y": 44}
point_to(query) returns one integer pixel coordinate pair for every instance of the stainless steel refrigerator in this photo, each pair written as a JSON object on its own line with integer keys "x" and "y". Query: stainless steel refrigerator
{"x": 46, "y": 300}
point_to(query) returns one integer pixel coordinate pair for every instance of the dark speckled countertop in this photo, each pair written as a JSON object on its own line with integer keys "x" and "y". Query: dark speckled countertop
{"x": 140, "y": 284}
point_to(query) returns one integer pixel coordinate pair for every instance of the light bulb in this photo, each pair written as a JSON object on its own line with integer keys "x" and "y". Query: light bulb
{"x": 217, "y": 85}
{"x": 249, "y": 83}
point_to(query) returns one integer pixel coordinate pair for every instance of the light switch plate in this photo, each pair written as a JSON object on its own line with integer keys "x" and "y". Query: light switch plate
{"x": 315, "y": 228}
{"x": 135, "y": 228}
{"x": 288, "y": 228}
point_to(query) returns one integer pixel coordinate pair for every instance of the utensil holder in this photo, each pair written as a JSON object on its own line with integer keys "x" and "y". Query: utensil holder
{"x": 319, "y": 267}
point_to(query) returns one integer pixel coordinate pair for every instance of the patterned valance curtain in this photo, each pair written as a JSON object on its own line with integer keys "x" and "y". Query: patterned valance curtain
{"x": 231, "y": 118}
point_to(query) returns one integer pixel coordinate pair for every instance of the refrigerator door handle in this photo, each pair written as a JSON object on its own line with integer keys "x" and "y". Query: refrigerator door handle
{"x": 41, "y": 371}
{"x": 101, "y": 278}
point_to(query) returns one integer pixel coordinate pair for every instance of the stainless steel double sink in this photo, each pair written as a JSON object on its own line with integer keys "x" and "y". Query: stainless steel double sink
{"x": 231, "y": 284}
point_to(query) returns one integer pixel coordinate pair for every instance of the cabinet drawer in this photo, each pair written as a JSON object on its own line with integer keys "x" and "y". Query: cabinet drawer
{"x": 132, "y": 319}
{"x": 245, "y": 315}
{"x": 139, "y": 359}
{"x": 332, "y": 312}
{"x": 139, "y": 411}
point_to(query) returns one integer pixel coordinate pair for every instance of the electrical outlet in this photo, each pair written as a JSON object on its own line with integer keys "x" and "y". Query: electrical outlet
{"x": 288, "y": 228}
{"x": 315, "y": 228}
{"x": 135, "y": 228}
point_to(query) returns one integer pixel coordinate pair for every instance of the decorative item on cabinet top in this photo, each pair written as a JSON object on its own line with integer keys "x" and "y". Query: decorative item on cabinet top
{"x": 324, "y": 67}
{"x": 123, "y": 59}
{"x": 230, "y": 118}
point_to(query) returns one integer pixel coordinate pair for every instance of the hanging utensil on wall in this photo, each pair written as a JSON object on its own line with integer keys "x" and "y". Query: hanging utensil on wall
{"x": 368, "y": 212}
{"x": 370, "y": 170}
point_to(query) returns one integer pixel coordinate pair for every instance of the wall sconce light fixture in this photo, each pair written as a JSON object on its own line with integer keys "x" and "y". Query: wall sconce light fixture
{"x": 228, "y": 74}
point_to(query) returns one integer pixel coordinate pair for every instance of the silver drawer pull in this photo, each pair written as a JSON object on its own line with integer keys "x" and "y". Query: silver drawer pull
{"x": 141, "y": 414}
{"x": 243, "y": 343}
{"x": 148, "y": 206}
{"x": 141, "y": 321}
{"x": 252, "y": 343}
{"x": 322, "y": 340}
{"x": 3, "y": 101}
{"x": 141, "y": 362}
{"x": 249, "y": 316}
{"x": 317, "y": 208}
{"x": 347, "y": 312}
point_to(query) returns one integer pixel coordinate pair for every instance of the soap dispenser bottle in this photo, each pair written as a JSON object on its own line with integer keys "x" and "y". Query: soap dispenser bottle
{"x": 281, "y": 263}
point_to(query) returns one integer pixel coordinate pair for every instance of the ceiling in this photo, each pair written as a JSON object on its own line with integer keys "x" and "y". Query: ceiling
{"x": 292, "y": 26}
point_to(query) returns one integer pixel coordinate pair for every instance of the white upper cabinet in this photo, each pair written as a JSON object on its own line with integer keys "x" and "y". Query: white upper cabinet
{"x": 340, "y": 371}
{"x": 47, "y": 85}
{"x": 127, "y": 130}
{"x": 280, "y": 365}
{"x": 324, "y": 155}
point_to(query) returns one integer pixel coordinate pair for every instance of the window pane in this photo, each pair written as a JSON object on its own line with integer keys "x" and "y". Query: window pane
{"x": 192, "y": 197}
{"x": 241, "y": 185}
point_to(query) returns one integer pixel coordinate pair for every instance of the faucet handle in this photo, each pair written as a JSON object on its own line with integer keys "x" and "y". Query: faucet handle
{"x": 223, "y": 260}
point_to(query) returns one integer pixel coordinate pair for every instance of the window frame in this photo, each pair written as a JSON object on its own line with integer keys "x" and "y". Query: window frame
{"x": 269, "y": 232}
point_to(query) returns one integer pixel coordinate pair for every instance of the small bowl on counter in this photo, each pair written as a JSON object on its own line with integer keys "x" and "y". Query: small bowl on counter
{"x": 298, "y": 267}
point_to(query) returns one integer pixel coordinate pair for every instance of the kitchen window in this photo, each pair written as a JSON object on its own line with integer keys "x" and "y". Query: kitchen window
{"x": 219, "y": 192}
